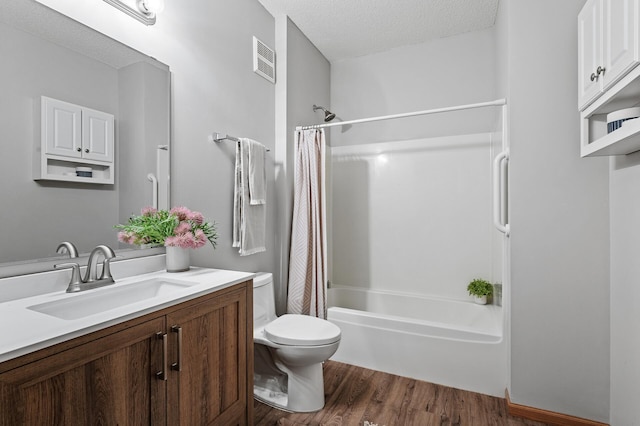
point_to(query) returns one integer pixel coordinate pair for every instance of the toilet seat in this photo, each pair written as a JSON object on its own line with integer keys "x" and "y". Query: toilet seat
{"x": 301, "y": 330}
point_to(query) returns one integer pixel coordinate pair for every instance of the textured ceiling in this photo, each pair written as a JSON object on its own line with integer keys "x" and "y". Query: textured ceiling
{"x": 343, "y": 29}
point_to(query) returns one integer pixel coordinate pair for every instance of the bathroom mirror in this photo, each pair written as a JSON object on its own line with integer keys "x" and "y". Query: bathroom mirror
{"x": 45, "y": 53}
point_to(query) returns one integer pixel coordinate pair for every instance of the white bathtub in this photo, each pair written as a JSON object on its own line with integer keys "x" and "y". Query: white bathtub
{"x": 449, "y": 342}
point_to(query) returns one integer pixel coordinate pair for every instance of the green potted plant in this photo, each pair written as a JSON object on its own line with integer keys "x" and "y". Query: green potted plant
{"x": 480, "y": 289}
{"x": 178, "y": 229}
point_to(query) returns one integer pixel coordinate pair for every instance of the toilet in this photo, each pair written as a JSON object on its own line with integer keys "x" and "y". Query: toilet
{"x": 289, "y": 352}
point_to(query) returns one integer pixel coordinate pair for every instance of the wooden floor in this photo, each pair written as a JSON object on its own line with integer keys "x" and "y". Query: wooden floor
{"x": 355, "y": 395}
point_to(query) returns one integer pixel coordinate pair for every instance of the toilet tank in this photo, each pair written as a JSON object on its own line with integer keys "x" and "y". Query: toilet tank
{"x": 264, "y": 305}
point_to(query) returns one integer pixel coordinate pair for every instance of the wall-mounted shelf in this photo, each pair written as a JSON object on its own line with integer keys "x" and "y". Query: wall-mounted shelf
{"x": 60, "y": 169}
{"x": 594, "y": 139}
{"x": 620, "y": 142}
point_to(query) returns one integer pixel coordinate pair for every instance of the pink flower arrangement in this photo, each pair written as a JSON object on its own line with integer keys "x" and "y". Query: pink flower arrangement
{"x": 178, "y": 227}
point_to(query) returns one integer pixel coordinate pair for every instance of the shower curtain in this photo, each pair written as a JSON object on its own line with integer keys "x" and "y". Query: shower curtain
{"x": 308, "y": 257}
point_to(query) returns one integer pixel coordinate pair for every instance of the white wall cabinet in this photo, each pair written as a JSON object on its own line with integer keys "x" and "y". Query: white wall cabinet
{"x": 608, "y": 45}
{"x": 590, "y": 22}
{"x": 608, "y": 76}
{"x": 72, "y": 136}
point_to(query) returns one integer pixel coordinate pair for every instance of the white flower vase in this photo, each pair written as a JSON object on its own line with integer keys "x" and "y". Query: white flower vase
{"x": 178, "y": 259}
{"x": 480, "y": 300}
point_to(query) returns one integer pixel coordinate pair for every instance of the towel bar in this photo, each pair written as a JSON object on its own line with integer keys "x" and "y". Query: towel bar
{"x": 220, "y": 137}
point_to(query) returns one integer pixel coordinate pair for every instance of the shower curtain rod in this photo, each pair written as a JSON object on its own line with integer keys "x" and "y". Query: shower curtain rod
{"x": 497, "y": 102}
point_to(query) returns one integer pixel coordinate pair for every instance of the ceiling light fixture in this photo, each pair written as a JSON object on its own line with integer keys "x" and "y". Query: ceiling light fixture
{"x": 145, "y": 10}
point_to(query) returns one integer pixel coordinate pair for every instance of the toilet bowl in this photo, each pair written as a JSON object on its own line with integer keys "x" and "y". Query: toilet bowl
{"x": 289, "y": 352}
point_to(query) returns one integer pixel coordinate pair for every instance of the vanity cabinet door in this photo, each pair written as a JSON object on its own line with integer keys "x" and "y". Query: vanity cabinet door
{"x": 107, "y": 381}
{"x": 209, "y": 341}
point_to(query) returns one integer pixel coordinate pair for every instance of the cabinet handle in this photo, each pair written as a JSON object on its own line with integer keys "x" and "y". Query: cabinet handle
{"x": 162, "y": 375}
{"x": 600, "y": 70}
{"x": 594, "y": 77}
{"x": 177, "y": 366}
{"x": 79, "y": 149}
{"x": 86, "y": 150}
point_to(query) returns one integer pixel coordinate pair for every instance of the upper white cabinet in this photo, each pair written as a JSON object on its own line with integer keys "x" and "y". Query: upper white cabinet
{"x": 73, "y": 136}
{"x": 608, "y": 75}
{"x": 608, "y": 45}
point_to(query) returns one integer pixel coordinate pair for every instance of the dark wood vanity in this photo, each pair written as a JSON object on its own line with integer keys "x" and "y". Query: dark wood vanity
{"x": 188, "y": 364}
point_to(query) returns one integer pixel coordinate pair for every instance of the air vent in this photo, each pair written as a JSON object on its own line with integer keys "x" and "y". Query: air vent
{"x": 264, "y": 60}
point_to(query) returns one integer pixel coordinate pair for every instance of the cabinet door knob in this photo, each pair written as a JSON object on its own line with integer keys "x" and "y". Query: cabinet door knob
{"x": 79, "y": 149}
{"x": 594, "y": 77}
{"x": 86, "y": 150}
{"x": 600, "y": 70}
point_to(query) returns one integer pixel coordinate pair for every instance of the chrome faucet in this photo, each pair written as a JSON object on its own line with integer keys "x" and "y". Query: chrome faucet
{"x": 91, "y": 280}
{"x": 67, "y": 247}
{"x": 91, "y": 274}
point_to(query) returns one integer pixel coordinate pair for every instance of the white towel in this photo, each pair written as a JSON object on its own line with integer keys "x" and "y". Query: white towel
{"x": 237, "y": 198}
{"x": 257, "y": 173}
{"x": 249, "y": 221}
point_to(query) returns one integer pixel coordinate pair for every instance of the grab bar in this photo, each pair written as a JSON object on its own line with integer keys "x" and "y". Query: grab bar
{"x": 154, "y": 182}
{"x": 500, "y": 192}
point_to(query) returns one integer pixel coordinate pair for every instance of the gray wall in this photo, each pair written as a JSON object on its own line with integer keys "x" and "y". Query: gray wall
{"x": 625, "y": 292}
{"x": 215, "y": 89}
{"x": 560, "y": 222}
{"x": 143, "y": 125}
{"x": 304, "y": 80}
{"x": 37, "y": 215}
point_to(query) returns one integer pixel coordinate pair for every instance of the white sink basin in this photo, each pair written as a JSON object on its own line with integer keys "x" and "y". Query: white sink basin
{"x": 107, "y": 298}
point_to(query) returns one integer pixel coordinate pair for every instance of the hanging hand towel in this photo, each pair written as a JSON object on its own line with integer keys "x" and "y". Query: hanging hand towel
{"x": 249, "y": 223}
{"x": 257, "y": 173}
{"x": 237, "y": 197}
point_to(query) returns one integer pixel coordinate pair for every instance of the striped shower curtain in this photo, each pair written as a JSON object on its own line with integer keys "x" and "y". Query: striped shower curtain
{"x": 308, "y": 257}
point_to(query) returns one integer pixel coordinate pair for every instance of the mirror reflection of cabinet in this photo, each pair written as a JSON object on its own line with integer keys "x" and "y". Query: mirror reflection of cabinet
{"x": 45, "y": 53}
{"x": 74, "y": 136}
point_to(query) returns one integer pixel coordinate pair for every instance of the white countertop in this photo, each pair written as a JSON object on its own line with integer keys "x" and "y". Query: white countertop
{"x": 26, "y": 330}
